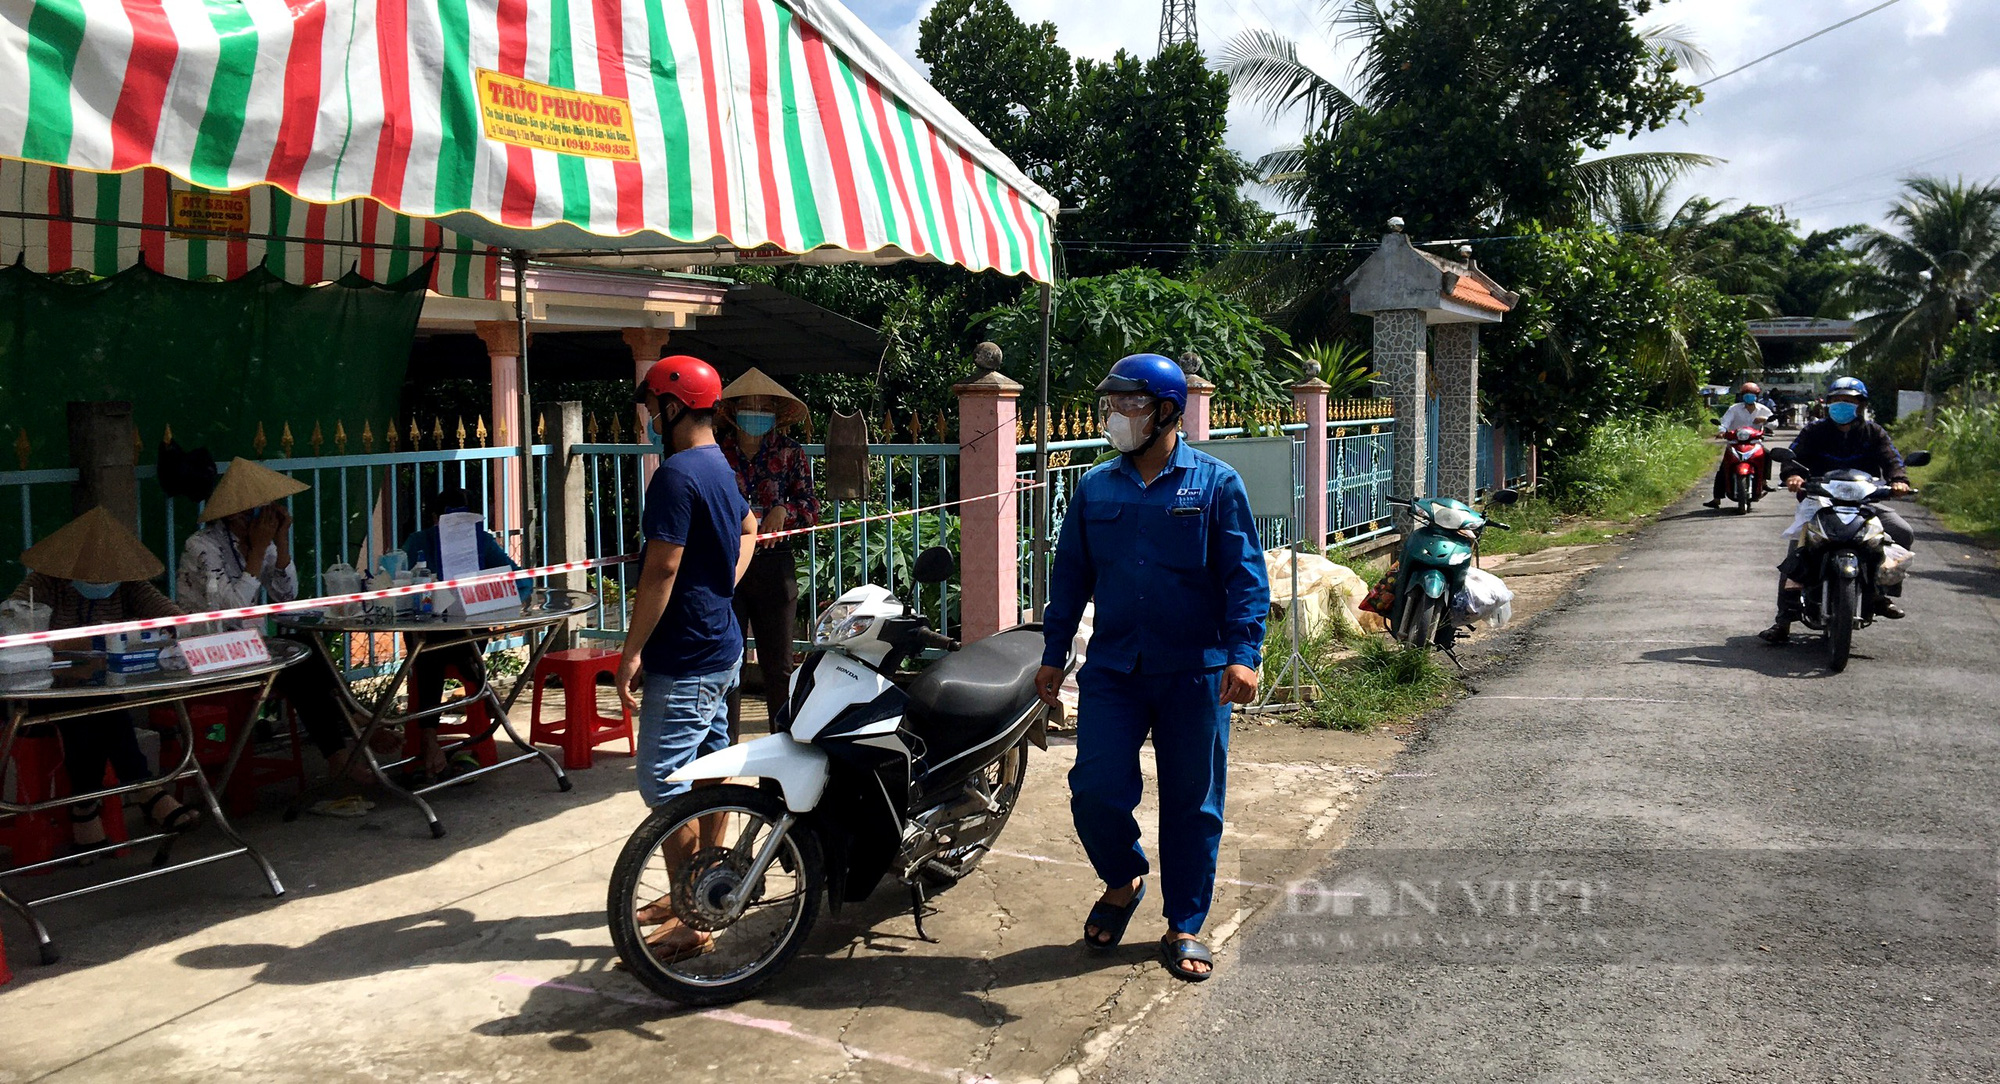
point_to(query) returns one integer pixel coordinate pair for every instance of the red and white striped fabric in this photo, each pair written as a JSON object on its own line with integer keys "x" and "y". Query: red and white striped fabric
{"x": 76, "y": 202}
{"x": 725, "y": 128}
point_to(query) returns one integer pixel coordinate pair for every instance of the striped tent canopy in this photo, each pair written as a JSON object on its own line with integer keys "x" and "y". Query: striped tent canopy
{"x": 690, "y": 131}
{"x": 94, "y": 221}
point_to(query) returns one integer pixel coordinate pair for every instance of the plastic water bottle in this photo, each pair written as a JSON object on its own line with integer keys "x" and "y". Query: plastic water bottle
{"x": 422, "y": 574}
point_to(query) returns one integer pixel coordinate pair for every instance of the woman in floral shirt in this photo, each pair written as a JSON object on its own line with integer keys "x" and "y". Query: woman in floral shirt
{"x": 772, "y": 471}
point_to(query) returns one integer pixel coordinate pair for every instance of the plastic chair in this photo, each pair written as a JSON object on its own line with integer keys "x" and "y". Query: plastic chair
{"x": 582, "y": 727}
{"x": 218, "y": 721}
{"x": 476, "y": 720}
{"x": 38, "y": 777}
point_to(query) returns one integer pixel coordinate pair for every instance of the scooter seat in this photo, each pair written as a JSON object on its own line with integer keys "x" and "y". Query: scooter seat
{"x": 970, "y": 695}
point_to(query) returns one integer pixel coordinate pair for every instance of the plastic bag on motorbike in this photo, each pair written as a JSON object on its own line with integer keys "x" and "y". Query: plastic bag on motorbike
{"x": 1895, "y": 563}
{"x": 1485, "y": 598}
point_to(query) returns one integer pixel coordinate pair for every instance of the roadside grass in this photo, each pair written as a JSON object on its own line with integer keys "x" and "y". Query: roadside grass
{"x": 1629, "y": 469}
{"x": 1365, "y": 680}
{"x": 1962, "y": 484}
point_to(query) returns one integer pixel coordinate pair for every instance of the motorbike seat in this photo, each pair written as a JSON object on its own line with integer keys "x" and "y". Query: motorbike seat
{"x": 969, "y": 695}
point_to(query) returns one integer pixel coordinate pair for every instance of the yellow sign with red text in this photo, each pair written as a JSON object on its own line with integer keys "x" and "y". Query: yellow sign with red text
{"x": 545, "y": 118}
{"x": 221, "y": 212}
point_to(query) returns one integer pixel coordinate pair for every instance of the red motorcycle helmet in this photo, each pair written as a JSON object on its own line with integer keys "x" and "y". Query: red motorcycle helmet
{"x": 691, "y": 380}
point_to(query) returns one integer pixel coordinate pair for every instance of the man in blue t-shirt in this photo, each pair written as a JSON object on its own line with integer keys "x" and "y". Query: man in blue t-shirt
{"x": 700, "y": 536}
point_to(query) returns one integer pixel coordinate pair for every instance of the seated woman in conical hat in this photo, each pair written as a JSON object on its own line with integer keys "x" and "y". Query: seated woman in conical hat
{"x": 242, "y": 556}
{"x": 95, "y": 571}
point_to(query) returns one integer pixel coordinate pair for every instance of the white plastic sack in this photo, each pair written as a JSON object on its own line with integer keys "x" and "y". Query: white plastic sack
{"x": 1488, "y": 598}
{"x": 1808, "y": 508}
{"x": 1895, "y": 563}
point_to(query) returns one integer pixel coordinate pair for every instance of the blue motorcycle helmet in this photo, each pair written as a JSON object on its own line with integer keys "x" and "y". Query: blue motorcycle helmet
{"x": 1847, "y": 385}
{"x": 1147, "y": 374}
{"x": 1153, "y": 374}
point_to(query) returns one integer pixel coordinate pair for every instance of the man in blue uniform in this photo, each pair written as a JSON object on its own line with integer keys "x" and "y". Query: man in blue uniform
{"x": 1162, "y": 540}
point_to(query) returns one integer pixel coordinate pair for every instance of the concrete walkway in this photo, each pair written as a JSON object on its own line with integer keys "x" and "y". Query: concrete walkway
{"x": 1791, "y": 872}
{"x": 484, "y": 956}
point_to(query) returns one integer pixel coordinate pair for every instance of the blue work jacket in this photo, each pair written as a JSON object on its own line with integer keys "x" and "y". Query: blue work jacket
{"x": 1174, "y": 567}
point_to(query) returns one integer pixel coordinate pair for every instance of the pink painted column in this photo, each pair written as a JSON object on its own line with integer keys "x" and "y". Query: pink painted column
{"x": 1310, "y": 397}
{"x": 503, "y": 355}
{"x": 647, "y": 345}
{"x": 988, "y": 538}
{"x": 1200, "y": 394}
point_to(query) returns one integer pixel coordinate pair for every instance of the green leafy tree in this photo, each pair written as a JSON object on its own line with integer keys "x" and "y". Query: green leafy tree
{"x": 1929, "y": 276}
{"x": 1973, "y": 350}
{"x": 1606, "y": 326}
{"x": 1009, "y": 78}
{"x": 1138, "y": 310}
{"x": 1462, "y": 114}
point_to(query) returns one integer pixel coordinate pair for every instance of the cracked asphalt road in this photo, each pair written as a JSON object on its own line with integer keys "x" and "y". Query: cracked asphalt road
{"x": 1809, "y": 856}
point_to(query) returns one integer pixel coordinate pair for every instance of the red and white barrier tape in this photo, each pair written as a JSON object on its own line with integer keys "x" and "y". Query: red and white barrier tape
{"x": 267, "y": 609}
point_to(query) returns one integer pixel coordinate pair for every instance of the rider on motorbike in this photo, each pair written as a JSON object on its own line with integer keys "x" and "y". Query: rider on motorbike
{"x": 1842, "y": 439}
{"x": 1746, "y": 411}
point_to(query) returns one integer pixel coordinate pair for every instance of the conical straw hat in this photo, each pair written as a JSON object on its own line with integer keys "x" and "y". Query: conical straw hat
{"x": 791, "y": 410}
{"x": 246, "y": 486}
{"x": 96, "y": 548}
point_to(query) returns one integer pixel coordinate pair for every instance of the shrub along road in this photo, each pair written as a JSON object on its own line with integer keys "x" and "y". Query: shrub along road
{"x": 1787, "y": 874}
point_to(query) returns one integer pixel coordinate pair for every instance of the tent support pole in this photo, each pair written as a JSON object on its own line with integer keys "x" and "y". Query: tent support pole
{"x": 525, "y": 428}
{"x": 1043, "y": 505}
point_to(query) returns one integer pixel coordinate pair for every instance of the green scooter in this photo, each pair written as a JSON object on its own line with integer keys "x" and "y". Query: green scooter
{"x": 1437, "y": 553}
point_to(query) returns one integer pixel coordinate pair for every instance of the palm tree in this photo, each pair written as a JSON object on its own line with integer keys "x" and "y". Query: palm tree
{"x": 1929, "y": 276}
{"x": 1266, "y": 67}
{"x": 1295, "y": 276}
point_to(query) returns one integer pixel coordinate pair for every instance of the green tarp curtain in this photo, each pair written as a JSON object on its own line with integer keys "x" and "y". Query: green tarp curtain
{"x": 211, "y": 359}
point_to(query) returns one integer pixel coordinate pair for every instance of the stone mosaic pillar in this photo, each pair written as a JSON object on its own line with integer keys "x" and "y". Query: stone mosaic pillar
{"x": 1400, "y": 362}
{"x": 1455, "y": 365}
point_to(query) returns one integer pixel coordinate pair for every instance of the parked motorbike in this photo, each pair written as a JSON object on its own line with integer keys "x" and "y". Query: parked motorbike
{"x": 1746, "y": 462}
{"x": 1442, "y": 546}
{"x": 871, "y": 773}
{"x": 1840, "y": 549}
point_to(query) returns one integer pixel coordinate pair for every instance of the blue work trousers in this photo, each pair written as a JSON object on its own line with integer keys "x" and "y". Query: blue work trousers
{"x": 1115, "y": 714}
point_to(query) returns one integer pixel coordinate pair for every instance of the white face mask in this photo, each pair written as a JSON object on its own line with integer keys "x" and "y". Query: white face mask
{"x": 1127, "y": 433}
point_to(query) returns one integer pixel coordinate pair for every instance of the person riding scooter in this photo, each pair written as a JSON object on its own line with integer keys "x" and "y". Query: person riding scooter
{"x": 1747, "y": 412}
{"x": 1843, "y": 439}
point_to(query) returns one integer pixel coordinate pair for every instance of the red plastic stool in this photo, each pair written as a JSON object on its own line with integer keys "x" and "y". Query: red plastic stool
{"x": 231, "y": 713}
{"x": 582, "y": 727}
{"x": 476, "y": 721}
{"x": 38, "y": 777}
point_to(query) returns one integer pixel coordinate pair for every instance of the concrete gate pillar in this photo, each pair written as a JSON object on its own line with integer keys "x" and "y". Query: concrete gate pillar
{"x": 1455, "y": 361}
{"x": 1311, "y": 400}
{"x": 503, "y": 356}
{"x": 988, "y": 536}
{"x": 1201, "y": 395}
{"x": 1403, "y": 364}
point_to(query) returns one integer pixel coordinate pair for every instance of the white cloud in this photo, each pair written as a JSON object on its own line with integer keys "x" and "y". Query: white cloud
{"x": 1828, "y": 128}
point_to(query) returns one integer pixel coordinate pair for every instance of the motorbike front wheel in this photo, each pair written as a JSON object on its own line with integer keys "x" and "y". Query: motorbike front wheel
{"x": 1421, "y": 620}
{"x": 1743, "y": 494}
{"x": 668, "y": 910}
{"x": 1842, "y": 603}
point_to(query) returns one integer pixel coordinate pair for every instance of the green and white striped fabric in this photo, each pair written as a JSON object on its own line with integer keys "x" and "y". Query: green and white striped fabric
{"x": 717, "y": 129}
{"x": 73, "y": 220}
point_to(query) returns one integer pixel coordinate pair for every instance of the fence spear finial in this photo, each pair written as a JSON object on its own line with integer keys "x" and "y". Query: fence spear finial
{"x": 318, "y": 438}
{"x": 21, "y": 446}
{"x": 285, "y": 441}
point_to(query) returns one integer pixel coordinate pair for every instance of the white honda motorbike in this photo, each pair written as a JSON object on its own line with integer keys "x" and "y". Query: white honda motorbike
{"x": 872, "y": 773}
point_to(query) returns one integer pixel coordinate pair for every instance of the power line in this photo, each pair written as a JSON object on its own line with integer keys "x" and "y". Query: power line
{"x": 1801, "y": 41}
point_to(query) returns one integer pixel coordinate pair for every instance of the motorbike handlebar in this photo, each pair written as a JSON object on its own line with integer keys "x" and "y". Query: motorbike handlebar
{"x": 933, "y": 638}
{"x": 1496, "y": 523}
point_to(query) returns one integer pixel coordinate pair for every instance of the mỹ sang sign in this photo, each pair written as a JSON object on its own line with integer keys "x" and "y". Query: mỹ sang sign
{"x": 542, "y": 117}
{"x": 218, "y": 212}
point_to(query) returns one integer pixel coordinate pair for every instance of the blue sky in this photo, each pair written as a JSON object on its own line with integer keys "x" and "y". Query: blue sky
{"x": 1826, "y": 129}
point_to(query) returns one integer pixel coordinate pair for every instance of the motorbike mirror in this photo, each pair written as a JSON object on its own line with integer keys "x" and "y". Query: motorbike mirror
{"x": 1783, "y": 455}
{"x": 935, "y": 565}
{"x": 1917, "y": 459}
{"x": 1504, "y": 496}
